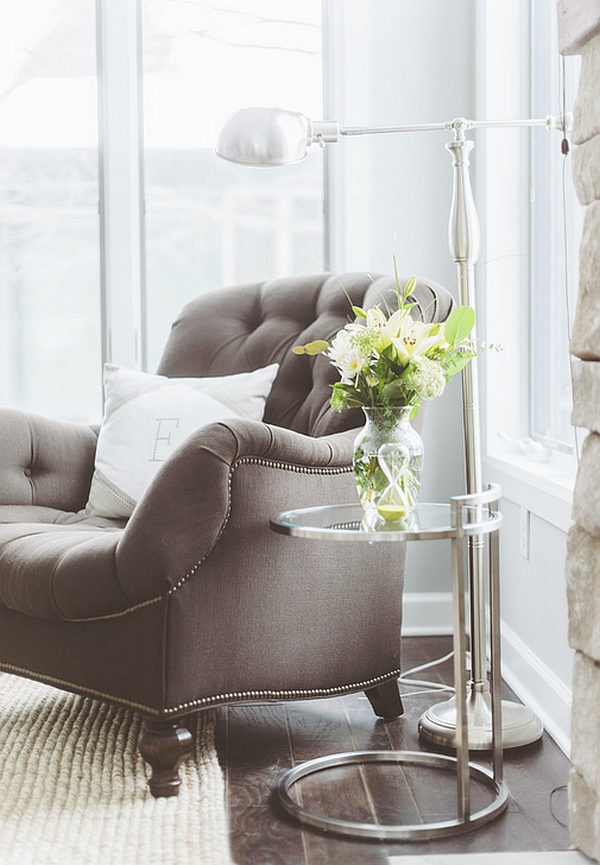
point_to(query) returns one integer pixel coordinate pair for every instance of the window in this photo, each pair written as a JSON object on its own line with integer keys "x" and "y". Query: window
{"x": 50, "y": 337}
{"x": 556, "y": 232}
{"x": 210, "y": 223}
{"x": 531, "y": 227}
{"x": 115, "y": 107}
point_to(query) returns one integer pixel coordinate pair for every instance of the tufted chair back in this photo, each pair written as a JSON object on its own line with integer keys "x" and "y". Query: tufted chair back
{"x": 246, "y": 327}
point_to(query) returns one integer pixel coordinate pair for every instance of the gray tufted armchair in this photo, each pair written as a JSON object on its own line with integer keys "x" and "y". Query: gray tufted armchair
{"x": 194, "y": 601}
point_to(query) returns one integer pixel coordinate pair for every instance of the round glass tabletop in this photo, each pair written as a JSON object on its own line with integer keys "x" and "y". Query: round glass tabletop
{"x": 349, "y": 522}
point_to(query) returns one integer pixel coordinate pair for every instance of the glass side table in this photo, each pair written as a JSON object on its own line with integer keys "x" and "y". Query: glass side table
{"x": 475, "y": 514}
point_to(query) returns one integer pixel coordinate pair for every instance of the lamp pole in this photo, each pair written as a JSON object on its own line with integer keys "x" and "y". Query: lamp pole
{"x": 520, "y": 726}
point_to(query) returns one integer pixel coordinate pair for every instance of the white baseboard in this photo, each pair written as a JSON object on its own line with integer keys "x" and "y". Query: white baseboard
{"x": 538, "y": 687}
{"x": 427, "y": 614}
{"x": 430, "y": 614}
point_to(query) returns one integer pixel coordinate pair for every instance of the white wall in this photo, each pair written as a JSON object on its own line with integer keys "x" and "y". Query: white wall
{"x": 404, "y": 62}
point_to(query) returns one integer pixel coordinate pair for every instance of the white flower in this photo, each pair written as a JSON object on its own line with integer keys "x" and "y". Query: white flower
{"x": 375, "y": 318}
{"x": 346, "y": 355}
{"x": 425, "y": 377}
{"x": 415, "y": 339}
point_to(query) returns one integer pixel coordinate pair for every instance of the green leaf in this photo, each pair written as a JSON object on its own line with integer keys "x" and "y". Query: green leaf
{"x": 394, "y": 390}
{"x": 359, "y": 311}
{"x": 459, "y": 325}
{"x": 386, "y": 356}
{"x": 409, "y": 288}
{"x": 317, "y": 346}
{"x": 455, "y": 362}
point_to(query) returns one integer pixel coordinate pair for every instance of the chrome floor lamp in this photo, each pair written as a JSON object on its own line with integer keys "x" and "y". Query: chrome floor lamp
{"x": 275, "y": 136}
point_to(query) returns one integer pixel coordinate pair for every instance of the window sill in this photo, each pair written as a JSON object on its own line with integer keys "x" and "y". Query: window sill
{"x": 545, "y": 489}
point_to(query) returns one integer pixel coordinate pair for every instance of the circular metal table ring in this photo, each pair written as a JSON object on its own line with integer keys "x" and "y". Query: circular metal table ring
{"x": 386, "y": 831}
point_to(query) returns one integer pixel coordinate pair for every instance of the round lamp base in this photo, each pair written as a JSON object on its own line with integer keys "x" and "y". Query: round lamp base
{"x": 520, "y": 726}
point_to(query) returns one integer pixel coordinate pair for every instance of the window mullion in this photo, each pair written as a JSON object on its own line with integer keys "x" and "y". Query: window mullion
{"x": 121, "y": 180}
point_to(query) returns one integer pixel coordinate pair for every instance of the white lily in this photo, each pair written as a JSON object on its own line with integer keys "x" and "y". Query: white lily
{"x": 373, "y": 319}
{"x": 396, "y": 322}
{"x": 416, "y": 339}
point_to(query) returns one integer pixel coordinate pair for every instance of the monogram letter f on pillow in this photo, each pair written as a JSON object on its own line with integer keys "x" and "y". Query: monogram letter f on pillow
{"x": 146, "y": 417}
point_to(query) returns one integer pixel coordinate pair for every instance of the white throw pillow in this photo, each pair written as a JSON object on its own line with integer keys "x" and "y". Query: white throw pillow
{"x": 147, "y": 416}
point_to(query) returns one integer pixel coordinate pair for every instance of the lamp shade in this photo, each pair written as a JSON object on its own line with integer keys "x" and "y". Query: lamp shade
{"x": 265, "y": 136}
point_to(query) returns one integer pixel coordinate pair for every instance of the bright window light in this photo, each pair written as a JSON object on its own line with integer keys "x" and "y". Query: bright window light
{"x": 209, "y": 223}
{"x": 49, "y": 228}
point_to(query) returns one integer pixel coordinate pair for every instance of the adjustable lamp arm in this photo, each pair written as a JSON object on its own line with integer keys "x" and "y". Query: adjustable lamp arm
{"x": 276, "y": 136}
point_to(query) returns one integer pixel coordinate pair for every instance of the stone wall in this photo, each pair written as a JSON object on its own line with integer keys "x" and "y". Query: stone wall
{"x": 579, "y": 33}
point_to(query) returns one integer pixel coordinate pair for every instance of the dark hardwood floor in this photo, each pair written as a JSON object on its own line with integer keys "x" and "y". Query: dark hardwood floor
{"x": 258, "y": 743}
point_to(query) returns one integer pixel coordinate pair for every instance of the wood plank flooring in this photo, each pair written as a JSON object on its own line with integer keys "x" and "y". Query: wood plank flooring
{"x": 258, "y": 743}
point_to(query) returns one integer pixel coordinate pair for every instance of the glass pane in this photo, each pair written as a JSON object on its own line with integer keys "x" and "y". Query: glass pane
{"x": 210, "y": 223}
{"x": 50, "y": 341}
{"x": 557, "y": 224}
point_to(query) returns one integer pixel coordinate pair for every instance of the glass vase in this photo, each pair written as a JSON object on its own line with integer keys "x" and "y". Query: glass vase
{"x": 388, "y": 459}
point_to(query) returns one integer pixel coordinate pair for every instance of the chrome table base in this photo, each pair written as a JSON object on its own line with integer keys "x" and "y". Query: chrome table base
{"x": 469, "y": 516}
{"x": 392, "y": 831}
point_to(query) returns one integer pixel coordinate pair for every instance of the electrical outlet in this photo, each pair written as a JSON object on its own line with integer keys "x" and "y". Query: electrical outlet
{"x": 524, "y": 531}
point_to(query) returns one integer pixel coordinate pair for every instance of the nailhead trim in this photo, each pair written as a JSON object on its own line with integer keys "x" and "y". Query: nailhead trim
{"x": 78, "y": 689}
{"x": 270, "y": 464}
{"x": 309, "y": 470}
{"x": 119, "y": 613}
{"x": 308, "y": 693}
{"x": 205, "y": 702}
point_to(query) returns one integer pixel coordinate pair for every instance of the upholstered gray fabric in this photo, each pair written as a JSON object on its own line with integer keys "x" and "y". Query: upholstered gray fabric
{"x": 195, "y": 600}
{"x": 44, "y": 461}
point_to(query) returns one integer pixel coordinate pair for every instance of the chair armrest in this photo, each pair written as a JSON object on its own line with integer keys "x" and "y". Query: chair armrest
{"x": 44, "y": 461}
{"x": 184, "y": 512}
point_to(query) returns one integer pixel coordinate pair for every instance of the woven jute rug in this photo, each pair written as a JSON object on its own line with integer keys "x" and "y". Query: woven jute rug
{"x": 73, "y": 787}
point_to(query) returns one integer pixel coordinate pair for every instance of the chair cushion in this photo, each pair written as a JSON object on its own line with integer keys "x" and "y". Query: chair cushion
{"x": 53, "y": 571}
{"x": 146, "y": 417}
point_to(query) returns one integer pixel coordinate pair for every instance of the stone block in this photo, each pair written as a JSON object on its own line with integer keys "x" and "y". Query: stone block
{"x": 583, "y": 591}
{"x": 586, "y": 169}
{"x": 585, "y": 720}
{"x": 578, "y": 22}
{"x": 586, "y": 111}
{"x": 584, "y": 816}
{"x": 586, "y": 495}
{"x": 586, "y": 394}
{"x": 585, "y": 338}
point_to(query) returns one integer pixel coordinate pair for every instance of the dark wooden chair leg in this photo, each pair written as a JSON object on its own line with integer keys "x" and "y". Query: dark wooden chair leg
{"x": 164, "y": 745}
{"x": 385, "y": 700}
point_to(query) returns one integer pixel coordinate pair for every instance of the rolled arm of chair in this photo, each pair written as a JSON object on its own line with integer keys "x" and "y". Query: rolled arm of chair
{"x": 44, "y": 461}
{"x": 183, "y": 513}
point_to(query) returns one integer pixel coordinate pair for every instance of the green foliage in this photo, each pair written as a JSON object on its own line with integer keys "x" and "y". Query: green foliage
{"x": 390, "y": 359}
{"x": 318, "y": 346}
{"x": 459, "y": 325}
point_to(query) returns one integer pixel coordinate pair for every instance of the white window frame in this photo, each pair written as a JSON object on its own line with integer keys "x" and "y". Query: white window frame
{"x": 544, "y": 488}
{"x": 121, "y": 179}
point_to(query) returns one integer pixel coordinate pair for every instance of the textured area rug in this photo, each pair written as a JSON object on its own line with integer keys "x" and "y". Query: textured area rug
{"x": 73, "y": 787}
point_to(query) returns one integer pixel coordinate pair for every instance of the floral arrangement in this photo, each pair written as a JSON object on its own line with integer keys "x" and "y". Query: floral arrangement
{"x": 395, "y": 360}
{"x": 389, "y": 364}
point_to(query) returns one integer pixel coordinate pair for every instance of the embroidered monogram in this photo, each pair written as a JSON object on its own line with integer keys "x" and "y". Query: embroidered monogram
{"x": 163, "y": 440}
